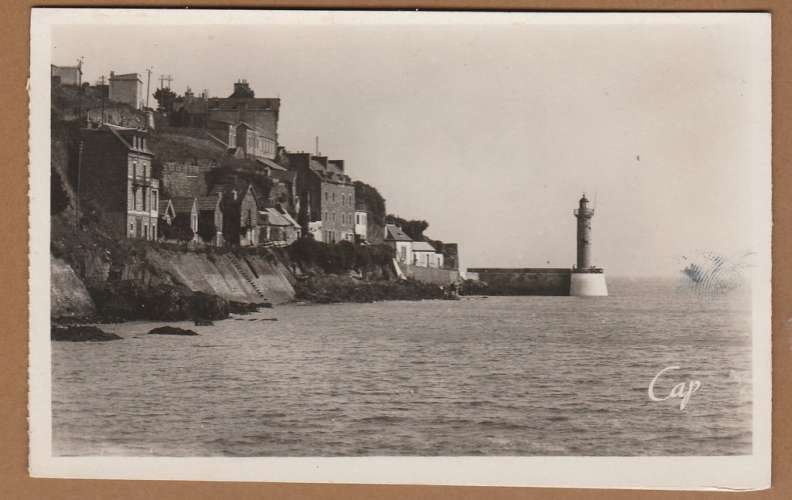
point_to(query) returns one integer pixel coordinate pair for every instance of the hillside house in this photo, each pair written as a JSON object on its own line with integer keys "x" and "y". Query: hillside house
{"x": 186, "y": 178}
{"x": 67, "y": 75}
{"x": 115, "y": 178}
{"x": 314, "y": 230}
{"x": 166, "y": 213}
{"x": 361, "y": 226}
{"x": 326, "y": 194}
{"x": 278, "y": 227}
{"x": 186, "y": 210}
{"x": 425, "y": 255}
{"x": 283, "y": 194}
{"x": 243, "y": 139}
{"x": 210, "y": 219}
{"x": 127, "y": 88}
{"x": 189, "y": 111}
{"x": 240, "y": 209}
{"x": 240, "y": 120}
{"x": 400, "y": 242}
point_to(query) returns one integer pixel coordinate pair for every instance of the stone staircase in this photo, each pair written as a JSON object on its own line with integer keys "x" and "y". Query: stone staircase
{"x": 244, "y": 271}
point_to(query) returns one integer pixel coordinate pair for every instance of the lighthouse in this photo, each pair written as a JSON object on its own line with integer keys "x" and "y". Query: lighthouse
{"x": 586, "y": 280}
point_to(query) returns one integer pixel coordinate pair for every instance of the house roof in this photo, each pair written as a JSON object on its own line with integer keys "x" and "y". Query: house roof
{"x": 271, "y": 164}
{"x": 206, "y": 203}
{"x": 121, "y": 134}
{"x": 394, "y": 233}
{"x": 195, "y": 105}
{"x": 422, "y": 246}
{"x": 125, "y": 76}
{"x": 290, "y": 219}
{"x": 183, "y": 204}
{"x": 272, "y": 217}
{"x": 163, "y": 206}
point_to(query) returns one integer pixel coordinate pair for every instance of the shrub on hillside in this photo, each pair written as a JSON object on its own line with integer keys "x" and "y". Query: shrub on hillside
{"x": 339, "y": 257}
{"x": 330, "y": 288}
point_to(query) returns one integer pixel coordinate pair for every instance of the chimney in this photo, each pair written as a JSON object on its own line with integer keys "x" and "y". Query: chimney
{"x": 339, "y": 164}
{"x": 321, "y": 159}
{"x": 242, "y": 89}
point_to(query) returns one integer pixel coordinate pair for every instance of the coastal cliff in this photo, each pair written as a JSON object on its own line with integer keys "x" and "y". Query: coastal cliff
{"x": 68, "y": 295}
{"x": 177, "y": 281}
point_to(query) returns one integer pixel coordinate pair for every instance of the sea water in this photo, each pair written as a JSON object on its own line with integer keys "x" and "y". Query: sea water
{"x": 479, "y": 376}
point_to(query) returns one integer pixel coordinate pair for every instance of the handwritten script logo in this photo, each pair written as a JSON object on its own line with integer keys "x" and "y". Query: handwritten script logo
{"x": 683, "y": 390}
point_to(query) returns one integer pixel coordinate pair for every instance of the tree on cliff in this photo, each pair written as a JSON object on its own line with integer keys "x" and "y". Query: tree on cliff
{"x": 413, "y": 228}
{"x": 165, "y": 98}
{"x": 367, "y": 197}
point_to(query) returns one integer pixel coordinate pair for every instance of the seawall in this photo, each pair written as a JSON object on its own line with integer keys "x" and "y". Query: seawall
{"x": 241, "y": 278}
{"x": 430, "y": 274}
{"x": 525, "y": 281}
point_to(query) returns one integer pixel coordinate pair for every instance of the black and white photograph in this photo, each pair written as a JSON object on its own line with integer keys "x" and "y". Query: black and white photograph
{"x": 491, "y": 248}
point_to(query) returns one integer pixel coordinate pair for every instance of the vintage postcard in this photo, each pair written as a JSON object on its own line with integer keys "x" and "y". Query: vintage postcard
{"x": 484, "y": 248}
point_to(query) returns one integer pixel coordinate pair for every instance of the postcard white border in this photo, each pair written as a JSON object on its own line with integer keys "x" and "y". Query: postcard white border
{"x": 702, "y": 473}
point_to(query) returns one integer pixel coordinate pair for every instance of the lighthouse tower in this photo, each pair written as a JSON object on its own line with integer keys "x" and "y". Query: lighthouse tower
{"x": 586, "y": 280}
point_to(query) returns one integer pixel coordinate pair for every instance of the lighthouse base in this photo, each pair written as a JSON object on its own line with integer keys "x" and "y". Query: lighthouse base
{"x": 588, "y": 285}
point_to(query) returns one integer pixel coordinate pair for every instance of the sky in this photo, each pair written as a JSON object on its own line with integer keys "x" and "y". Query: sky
{"x": 491, "y": 133}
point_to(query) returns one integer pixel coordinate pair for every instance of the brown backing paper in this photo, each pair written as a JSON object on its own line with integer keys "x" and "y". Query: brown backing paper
{"x": 14, "y": 479}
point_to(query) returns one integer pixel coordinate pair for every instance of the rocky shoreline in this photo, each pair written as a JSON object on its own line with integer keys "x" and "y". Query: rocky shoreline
{"x": 81, "y": 333}
{"x": 122, "y": 301}
{"x": 326, "y": 289}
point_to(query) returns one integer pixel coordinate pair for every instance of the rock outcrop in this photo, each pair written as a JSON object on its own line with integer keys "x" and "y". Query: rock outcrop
{"x": 171, "y": 330}
{"x": 68, "y": 295}
{"x": 81, "y": 333}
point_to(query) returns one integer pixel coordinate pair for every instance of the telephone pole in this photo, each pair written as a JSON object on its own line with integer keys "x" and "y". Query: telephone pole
{"x": 164, "y": 79}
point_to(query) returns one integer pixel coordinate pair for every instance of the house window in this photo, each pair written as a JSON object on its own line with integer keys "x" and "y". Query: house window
{"x": 327, "y": 196}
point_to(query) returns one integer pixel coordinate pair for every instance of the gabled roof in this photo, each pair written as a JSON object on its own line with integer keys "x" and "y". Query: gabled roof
{"x": 120, "y": 133}
{"x": 272, "y": 217}
{"x": 227, "y": 189}
{"x": 183, "y": 204}
{"x": 164, "y": 205}
{"x": 394, "y": 233}
{"x": 290, "y": 219}
{"x": 423, "y": 246}
{"x": 206, "y": 203}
